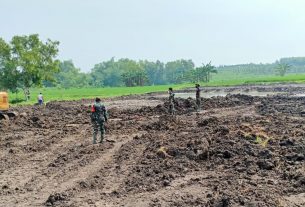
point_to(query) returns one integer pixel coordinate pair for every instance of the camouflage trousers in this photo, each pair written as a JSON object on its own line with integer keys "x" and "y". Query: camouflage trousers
{"x": 98, "y": 126}
{"x": 171, "y": 109}
{"x": 198, "y": 103}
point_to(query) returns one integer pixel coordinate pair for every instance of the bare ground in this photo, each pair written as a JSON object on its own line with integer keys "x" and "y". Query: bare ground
{"x": 238, "y": 151}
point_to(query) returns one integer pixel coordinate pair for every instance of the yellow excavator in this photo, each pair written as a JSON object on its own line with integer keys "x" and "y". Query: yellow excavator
{"x": 4, "y": 107}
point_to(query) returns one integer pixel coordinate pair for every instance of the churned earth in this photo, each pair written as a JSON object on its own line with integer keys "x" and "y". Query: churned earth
{"x": 239, "y": 150}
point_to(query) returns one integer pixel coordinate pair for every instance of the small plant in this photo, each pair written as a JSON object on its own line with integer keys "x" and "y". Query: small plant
{"x": 265, "y": 142}
{"x": 256, "y": 135}
{"x": 162, "y": 152}
{"x": 262, "y": 140}
{"x": 258, "y": 140}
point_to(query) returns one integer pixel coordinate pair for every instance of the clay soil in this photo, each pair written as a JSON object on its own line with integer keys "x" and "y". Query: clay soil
{"x": 238, "y": 151}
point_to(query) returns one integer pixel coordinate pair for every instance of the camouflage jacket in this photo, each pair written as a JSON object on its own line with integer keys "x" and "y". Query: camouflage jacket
{"x": 198, "y": 93}
{"x": 99, "y": 113}
{"x": 171, "y": 97}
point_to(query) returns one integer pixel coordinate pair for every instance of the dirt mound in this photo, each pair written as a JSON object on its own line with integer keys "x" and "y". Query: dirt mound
{"x": 189, "y": 105}
{"x": 293, "y": 106}
{"x": 238, "y": 151}
{"x": 227, "y": 156}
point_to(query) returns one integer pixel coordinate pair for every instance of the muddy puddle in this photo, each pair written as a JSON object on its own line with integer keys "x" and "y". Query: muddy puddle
{"x": 292, "y": 90}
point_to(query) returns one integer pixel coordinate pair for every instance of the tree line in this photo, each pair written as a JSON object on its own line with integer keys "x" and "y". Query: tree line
{"x": 27, "y": 61}
{"x": 126, "y": 72}
{"x": 281, "y": 67}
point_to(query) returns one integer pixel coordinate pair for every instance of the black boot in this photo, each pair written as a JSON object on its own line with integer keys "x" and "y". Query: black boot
{"x": 94, "y": 138}
{"x": 102, "y": 138}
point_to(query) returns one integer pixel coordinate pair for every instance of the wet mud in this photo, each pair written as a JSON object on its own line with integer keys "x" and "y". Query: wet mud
{"x": 238, "y": 150}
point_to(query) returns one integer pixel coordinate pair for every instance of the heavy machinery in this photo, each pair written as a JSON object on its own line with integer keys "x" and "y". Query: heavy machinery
{"x": 4, "y": 107}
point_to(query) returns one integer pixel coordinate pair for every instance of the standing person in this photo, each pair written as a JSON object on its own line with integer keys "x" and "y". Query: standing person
{"x": 98, "y": 118}
{"x": 27, "y": 94}
{"x": 171, "y": 108}
{"x": 198, "y": 99}
{"x": 40, "y": 99}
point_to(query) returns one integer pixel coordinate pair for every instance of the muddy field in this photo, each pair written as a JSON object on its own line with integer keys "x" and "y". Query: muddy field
{"x": 238, "y": 151}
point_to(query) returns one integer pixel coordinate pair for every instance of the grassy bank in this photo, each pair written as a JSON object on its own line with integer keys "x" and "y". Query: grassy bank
{"x": 229, "y": 79}
{"x": 88, "y": 93}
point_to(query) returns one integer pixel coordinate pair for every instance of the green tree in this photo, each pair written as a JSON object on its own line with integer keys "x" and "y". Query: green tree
{"x": 154, "y": 72}
{"x": 293, "y": 61}
{"x": 8, "y": 71}
{"x": 176, "y": 71}
{"x": 70, "y": 76}
{"x": 118, "y": 73}
{"x": 282, "y": 68}
{"x": 203, "y": 73}
{"x": 107, "y": 73}
{"x": 209, "y": 69}
{"x": 133, "y": 74}
{"x": 29, "y": 61}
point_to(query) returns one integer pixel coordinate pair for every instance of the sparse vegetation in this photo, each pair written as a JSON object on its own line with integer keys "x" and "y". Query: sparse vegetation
{"x": 282, "y": 68}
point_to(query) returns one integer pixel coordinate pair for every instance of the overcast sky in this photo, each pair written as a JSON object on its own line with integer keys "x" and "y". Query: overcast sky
{"x": 221, "y": 31}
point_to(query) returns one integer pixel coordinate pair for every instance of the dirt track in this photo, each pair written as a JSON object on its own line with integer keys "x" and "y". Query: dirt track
{"x": 239, "y": 151}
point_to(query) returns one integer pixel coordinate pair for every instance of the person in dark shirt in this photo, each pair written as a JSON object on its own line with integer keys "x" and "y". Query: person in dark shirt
{"x": 198, "y": 98}
{"x": 171, "y": 99}
{"x": 98, "y": 118}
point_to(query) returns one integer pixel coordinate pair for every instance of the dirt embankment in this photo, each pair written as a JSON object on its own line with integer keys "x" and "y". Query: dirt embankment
{"x": 287, "y": 89}
{"x": 238, "y": 151}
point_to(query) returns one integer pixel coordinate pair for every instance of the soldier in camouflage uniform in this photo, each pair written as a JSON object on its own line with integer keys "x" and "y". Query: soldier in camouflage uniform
{"x": 98, "y": 118}
{"x": 171, "y": 107}
{"x": 198, "y": 99}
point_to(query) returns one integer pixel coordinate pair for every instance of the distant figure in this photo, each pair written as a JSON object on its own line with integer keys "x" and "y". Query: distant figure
{"x": 40, "y": 99}
{"x": 171, "y": 108}
{"x": 198, "y": 99}
{"x": 27, "y": 94}
{"x": 98, "y": 118}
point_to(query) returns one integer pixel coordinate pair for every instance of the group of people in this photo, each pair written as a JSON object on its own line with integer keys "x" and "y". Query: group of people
{"x": 171, "y": 108}
{"x": 99, "y": 113}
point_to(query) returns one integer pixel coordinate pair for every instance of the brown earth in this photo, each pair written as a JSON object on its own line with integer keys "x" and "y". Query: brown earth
{"x": 238, "y": 151}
